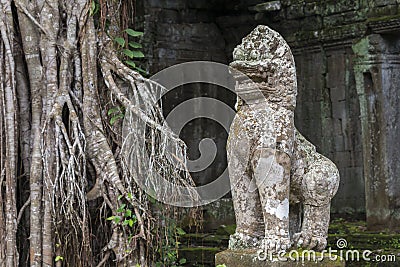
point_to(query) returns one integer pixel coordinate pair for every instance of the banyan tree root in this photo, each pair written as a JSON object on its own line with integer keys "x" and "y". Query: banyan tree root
{"x": 58, "y": 160}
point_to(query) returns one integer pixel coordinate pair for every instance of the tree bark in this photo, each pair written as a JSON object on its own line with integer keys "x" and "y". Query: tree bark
{"x": 30, "y": 45}
{"x": 53, "y": 126}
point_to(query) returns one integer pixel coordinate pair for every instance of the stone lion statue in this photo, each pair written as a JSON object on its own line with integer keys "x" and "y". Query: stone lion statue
{"x": 281, "y": 187}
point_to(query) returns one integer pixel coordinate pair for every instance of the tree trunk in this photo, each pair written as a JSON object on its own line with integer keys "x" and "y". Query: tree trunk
{"x": 9, "y": 114}
{"x": 55, "y": 136}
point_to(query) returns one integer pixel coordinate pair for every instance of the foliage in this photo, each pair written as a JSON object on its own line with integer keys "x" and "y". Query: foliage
{"x": 94, "y": 8}
{"x": 115, "y": 114}
{"x": 168, "y": 254}
{"x": 130, "y": 49}
{"x": 59, "y": 258}
{"x": 61, "y": 157}
{"x": 125, "y": 217}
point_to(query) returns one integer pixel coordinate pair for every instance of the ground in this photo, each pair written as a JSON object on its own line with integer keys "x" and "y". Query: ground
{"x": 199, "y": 248}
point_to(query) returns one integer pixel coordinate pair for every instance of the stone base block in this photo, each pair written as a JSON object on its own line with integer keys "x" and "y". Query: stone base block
{"x": 250, "y": 258}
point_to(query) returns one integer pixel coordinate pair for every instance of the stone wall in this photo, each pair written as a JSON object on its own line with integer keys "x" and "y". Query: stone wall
{"x": 322, "y": 35}
{"x": 332, "y": 110}
{"x": 183, "y": 31}
{"x": 377, "y": 71}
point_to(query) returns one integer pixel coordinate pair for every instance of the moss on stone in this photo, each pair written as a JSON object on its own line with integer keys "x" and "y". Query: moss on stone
{"x": 199, "y": 255}
{"x": 200, "y": 249}
{"x": 384, "y": 18}
{"x": 226, "y": 229}
{"x": 359, "y": 238}
{"x": 201, "y": 239}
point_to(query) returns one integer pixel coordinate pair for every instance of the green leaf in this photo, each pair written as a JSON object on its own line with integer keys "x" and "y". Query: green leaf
{"x": 137, "y": 54}
{"x": 121, "y": 208}
{"x": 134, "y": 220}
{"x": 92, "y": 8}
{"x": 131, "y": 63}
{"x": 120, "y": 197}
{"x": 128, "y": 213}
{"x": 171, "y": 255}
{"x": 141, "y": 70}
{"x": 133, "y": 53}
{"x": 130, "y": 195}
{"x": 111, "y": 111}
{"x": 117, "y": 219}
{"x": 126, "y": 222}
{"x": 180, "y": 231}
{"x": 120, "y": 41}
{"x": 116, "y": 118}
{"x": 134, "y": 45}
{"x": 59, "y": 258}
{"x": 133, "y": 33}
{"x": 131, "y": 222}
{"x": 128, "y": 53}
{"x": 182, "y": 261}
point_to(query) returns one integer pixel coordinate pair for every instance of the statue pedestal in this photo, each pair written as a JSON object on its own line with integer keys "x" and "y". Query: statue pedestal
{"x": 241, "y": 258}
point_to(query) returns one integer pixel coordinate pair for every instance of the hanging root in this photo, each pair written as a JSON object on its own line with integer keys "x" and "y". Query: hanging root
{"x": 71, "y": 146}
{"x": 149, "y": 146}
{"x": 149, "y": 149}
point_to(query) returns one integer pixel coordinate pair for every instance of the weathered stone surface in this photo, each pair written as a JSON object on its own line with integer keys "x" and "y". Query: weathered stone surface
{"x": 219, "y": 214}
{"x": 312, "y": 8}
{"x": 249, "y": 258}
{"x": 312, "y": 23}
{"x": 267, "y": 6}
{"x": 167, "y": 4}
{"x": 379, "y": 99}
{"x": 295, "y": 11}
{"x": 333, "y": 6}
{"x": 270, "y": 163}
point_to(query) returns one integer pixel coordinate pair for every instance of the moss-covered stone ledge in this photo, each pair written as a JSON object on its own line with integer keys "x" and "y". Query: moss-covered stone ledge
{"x": 240, "y": 258}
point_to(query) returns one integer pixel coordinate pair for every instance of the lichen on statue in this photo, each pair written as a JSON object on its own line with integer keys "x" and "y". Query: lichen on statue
{"x": 271, "y": 165}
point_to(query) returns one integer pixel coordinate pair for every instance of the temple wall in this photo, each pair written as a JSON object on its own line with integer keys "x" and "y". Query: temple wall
{"x": 322, "y": 35}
